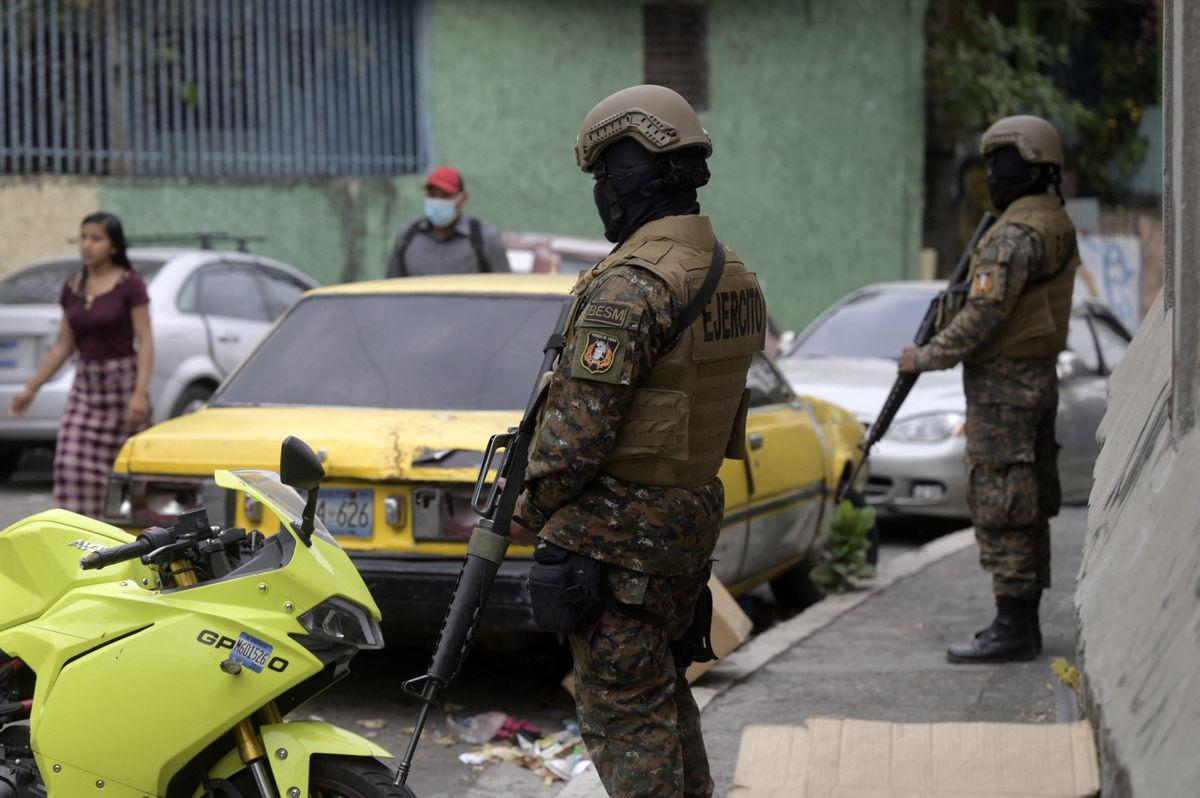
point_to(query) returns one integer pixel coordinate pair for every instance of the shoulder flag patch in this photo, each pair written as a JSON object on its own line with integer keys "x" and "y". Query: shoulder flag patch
{"x": 988, "y": 283}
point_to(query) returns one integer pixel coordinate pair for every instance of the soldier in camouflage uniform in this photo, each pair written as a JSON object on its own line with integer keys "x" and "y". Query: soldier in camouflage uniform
{"x": 1008, "y": 336}
{"x": 641, "y": 410}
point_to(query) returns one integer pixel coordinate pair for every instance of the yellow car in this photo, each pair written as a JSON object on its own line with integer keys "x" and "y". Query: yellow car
{"x": 397, "y": 384}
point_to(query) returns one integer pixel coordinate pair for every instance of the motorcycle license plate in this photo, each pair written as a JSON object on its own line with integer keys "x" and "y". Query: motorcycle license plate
{"x": 251, "y": 652}
{"x": 349, "y": 513}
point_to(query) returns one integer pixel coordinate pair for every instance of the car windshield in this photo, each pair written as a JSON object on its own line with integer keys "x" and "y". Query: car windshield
{"x": 409, "y": 351}
{"x": 42, "y": 284}
{"x": 877, "y": 324}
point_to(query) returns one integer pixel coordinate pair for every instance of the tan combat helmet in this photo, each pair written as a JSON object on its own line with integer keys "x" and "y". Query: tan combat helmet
{"x": 1035, "y": 139}
{"x": 656, "y": 117}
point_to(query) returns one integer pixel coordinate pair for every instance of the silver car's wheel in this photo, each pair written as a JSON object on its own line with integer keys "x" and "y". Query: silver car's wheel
{"x": 10, "y": 456}
{"x": 192, "y": 399}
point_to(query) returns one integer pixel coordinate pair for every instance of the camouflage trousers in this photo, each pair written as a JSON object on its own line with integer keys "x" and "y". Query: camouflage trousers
{"x": 636, "y": 711}
{"x": 1013, "y": 491}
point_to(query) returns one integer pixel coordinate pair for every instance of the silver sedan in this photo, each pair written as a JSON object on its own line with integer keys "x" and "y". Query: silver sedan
{"x": 848, "y": 356}
{"x": 208, "y": 310}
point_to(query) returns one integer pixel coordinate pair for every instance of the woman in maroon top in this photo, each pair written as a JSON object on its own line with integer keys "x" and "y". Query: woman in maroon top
{"x": 105, "y": 311}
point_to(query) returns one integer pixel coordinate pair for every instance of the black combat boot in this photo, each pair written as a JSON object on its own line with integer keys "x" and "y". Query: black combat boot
{"x": 1010, "y": 638}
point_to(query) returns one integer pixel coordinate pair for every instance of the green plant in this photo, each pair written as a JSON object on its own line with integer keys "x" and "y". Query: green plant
{"x": 845, "y": 555}
{"x": 979, "y": 68}
{"x": 986, "y": 69}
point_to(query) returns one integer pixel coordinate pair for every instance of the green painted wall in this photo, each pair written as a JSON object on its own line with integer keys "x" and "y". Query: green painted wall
{"x": 815, "y": 110}
{"x": 336, "y": 230}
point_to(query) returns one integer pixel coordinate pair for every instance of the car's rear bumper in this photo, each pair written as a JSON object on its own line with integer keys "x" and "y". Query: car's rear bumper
{"x": 418, "y": 591}
{"x": 40, "y": 423}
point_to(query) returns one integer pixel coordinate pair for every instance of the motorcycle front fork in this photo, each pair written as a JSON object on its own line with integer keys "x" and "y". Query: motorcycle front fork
{"x": 254, "y": 755}
{"x": 250, "y": 745}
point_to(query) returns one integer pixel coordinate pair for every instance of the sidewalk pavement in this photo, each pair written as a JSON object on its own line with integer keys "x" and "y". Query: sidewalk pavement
{"x": 879, "y": 654}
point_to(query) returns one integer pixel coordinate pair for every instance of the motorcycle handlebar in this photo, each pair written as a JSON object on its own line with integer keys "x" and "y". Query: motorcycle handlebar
{"x": 102, "y": 558}
{"x": 148, "y": 541}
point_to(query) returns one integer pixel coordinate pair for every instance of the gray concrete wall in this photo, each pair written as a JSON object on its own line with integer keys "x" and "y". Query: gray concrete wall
{"x": 1138, "y": 597}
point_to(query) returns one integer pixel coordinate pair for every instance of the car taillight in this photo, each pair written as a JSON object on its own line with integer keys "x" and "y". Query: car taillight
{"x": 442, "y": 513}
{"x": 161, "y": 501}
{"x": 118, "y": 501}
{"x": 145, "y": 501}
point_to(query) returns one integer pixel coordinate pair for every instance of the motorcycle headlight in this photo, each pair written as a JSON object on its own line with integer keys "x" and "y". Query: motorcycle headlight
{"x": 339, "y": 622}
{"x": 928, "y": 428}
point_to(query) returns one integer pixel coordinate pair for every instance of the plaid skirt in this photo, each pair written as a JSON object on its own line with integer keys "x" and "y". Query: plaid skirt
{"x": 92, "y": 432}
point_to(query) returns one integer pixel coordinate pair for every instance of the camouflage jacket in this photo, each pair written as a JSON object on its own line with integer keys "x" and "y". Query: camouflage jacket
{"x": 1021, "y": 383}
{"x": 568, "y": 500}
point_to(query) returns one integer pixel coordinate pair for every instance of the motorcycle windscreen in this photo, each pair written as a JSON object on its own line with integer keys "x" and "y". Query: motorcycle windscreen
{"x": 283, "y": 501}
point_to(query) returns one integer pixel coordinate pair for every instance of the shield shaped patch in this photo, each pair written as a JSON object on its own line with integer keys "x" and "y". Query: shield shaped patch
{"x": 988, "y": 283}
{"x": 600, "y": 352}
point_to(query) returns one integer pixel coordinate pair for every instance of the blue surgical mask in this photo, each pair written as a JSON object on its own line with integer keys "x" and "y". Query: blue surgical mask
{"x": 440, "y": 212}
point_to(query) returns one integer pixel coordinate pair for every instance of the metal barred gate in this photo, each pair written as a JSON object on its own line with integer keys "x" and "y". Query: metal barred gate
{"x": 211, "y": 88}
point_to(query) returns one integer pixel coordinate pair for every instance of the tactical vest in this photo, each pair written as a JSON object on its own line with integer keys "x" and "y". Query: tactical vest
{"x": 689, "y": 412}
{"x": 1037, "y": 326}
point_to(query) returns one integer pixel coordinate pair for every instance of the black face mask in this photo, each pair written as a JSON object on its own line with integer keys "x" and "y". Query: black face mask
{"x": 1011, "y": 177}
{"x": 630, "y": 190}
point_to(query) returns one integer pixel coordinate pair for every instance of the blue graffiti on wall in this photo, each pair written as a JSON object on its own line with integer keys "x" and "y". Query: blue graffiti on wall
{"x": 1116, "y": 263}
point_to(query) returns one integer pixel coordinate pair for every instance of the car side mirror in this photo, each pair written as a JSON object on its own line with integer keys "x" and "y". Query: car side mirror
{"x": 300, "y": 468}
{"x": 1070, "y": 365}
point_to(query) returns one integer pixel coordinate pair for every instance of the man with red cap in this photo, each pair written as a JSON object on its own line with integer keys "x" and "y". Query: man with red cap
{"x": 445, "y": 240}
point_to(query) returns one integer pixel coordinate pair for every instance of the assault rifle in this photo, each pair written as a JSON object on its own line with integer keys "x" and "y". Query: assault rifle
{"x": 951, "y": 297}
{"x": 485, "y": 551}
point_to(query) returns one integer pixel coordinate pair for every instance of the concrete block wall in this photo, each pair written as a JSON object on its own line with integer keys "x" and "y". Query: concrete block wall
{"x": 1138, "y": 596}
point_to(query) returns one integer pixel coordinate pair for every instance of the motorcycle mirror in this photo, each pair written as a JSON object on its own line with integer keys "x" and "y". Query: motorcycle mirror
{"x": 299, "y": 466}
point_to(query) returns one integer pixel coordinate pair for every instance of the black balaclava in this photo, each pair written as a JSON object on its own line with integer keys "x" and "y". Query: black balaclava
{"x": 635, "y": 186}
{"x": 1011, "y": 177}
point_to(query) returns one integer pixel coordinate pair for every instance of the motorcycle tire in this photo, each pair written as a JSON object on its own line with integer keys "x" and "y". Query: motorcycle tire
{"x": 353, "y": 777}
{"x": 342, "y": 777}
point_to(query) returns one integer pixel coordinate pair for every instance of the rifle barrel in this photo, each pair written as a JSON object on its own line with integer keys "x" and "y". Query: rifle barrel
{"x": 904, "y": 382}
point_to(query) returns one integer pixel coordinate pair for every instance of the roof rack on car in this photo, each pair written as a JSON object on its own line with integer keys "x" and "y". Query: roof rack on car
{"x": 205, "y": 240}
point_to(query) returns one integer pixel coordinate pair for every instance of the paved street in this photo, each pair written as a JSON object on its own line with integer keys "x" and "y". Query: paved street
{"x": 518, "y": 675}
{"x": 885, "y": 659}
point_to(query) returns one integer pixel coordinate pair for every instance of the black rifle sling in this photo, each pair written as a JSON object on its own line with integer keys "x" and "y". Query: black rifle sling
{"x": 716, "y": 269}
{"x": 476, "y": 237}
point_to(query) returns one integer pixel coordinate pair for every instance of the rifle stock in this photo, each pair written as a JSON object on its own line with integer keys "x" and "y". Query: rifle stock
{"x": 485, "y": 551}
{"x": 925, "y": 331}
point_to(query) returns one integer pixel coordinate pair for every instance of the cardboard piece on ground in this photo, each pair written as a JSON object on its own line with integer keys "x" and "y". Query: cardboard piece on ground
{"x": 730, "y": 628}
{"x": 834, "y": 758}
